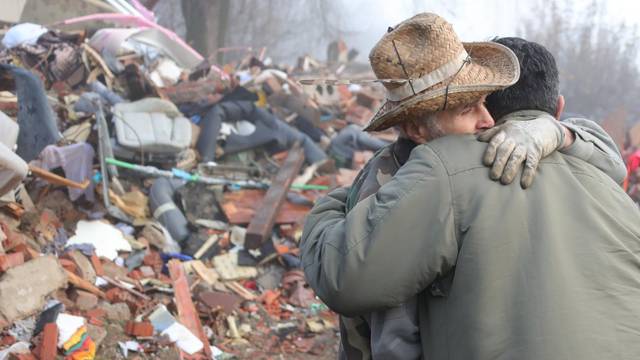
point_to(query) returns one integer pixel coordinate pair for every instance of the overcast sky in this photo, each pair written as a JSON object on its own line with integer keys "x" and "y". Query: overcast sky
{"x": 473, "y": 20}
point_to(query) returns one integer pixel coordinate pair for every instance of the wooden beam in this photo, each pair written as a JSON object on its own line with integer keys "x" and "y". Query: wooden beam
{"x": 58, "y": 180}
{"x": 261, "y": 225}
{"x": 83, "y": 284}
{"x": 187, "y": 312}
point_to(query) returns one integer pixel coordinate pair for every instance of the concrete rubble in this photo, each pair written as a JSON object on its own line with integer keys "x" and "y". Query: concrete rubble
{"x": 151, "y": 202}
{"x": 24, "y": 288}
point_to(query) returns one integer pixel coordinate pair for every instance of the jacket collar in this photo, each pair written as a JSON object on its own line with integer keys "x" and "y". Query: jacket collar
{"x": 522, "y": 115}
{"x": 401, "y": 150}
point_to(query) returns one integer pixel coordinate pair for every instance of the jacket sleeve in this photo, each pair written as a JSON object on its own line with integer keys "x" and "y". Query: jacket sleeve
{"x": 596, "y": 147}
{"x": 389, "y": 247}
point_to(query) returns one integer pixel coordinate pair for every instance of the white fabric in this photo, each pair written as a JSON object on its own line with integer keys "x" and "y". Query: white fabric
{"x": 26, "y": 33}
{"x": 12, "y": 169}
{"x": 244, "y": 128}
{"x": 420, "y": 84}
{"x": 266, "y": 74}
{"x": 105, "y": 238}
{"x": 8, "y": 131}
{"x": 183, "y": 338}
{"x": 67, "y": 325}
{"x": 240, "y": 127}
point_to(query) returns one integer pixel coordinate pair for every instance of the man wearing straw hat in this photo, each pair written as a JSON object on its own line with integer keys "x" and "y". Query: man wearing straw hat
{"x": 439, "y": 225}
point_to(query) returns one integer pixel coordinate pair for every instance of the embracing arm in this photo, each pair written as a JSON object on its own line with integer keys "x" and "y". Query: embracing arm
{"x": 526, "y": 138}
{"x": 596, "y": 147}
{"x": 389, "y": 247}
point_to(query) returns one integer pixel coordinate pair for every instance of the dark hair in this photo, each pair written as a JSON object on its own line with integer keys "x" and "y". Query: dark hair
{"x": 537, "y": 88}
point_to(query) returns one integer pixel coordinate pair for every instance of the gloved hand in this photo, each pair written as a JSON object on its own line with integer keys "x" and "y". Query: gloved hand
{"x": 521, "y": 141}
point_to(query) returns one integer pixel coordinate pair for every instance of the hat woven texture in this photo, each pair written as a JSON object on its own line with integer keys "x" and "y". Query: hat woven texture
{"x": 443, "y": 71}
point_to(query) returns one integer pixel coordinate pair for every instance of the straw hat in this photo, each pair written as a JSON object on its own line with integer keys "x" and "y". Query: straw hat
{"x": 425, "y": 68}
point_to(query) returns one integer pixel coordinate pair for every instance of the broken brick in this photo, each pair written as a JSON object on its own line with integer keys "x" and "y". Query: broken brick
{"x": 84, "y": 300}
{"x": 61, "y": 296}
{"x": 97, "y": 265}
{"x": 15, "y": 241}
{"x": 153, "y": 259}
{"x": 7, "y": 340}
{"x": 83, "y": 264}
{"x": 69, "y": 265}
{"x": 116, "y": 312}
{"x": 95, "y": 316}
{"x": 98, "y": 313}
{"x": 95, "y": 321}
{"x": 139, "y": 329}
{"x": 8, "y": 261}
{"x": 269, "y": 297}
{"x": 147, "y": 271}
{"x": 115, "y": 295}
{"x": 136, "y": 275}
{"x": 48, "y": 345}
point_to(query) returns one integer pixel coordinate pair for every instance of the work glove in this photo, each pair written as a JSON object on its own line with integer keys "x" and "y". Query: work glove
{"x": 525, "y": 140}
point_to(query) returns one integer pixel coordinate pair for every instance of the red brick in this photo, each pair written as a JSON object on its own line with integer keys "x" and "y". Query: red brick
{"x": 95, "y": 321}
{"x": 84, "y": 267}
{"x": 97, "y": 265}
{"x": 135, "y": 275}
{"x": 154, "y": 260}
{"x": 7, "y": 261}
{"x": 48, "y": 346}
{"x": 8, "y": 106}
{"x": 115, "y": 295}
{"x": 98, "y": 313}
{"x": 96, "y": 316}
{"x": 22, "y": 248}
{"x": 139, "y": 329}
{"x": 69, "y": 265}
{"x": 7, "y": 340}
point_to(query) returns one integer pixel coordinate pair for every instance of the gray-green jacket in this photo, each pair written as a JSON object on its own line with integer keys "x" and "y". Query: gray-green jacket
{"x": 543, "y": 273}
{"x": 393, "y": 333}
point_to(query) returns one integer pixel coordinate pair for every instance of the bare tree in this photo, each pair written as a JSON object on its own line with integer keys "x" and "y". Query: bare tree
{"x": 288, "y": 28}
{"x": 207, "y": 23}
{"x": 597, "y": 60}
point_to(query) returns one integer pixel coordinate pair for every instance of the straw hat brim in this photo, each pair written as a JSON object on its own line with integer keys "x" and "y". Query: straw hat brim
{"x": 493, "y": 67}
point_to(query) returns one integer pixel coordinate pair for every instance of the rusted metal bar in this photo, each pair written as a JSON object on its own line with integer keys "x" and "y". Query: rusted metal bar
{"x": 261, "y": 225}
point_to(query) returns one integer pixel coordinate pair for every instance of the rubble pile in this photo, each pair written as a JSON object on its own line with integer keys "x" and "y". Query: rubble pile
{"x": 152, "y": 202}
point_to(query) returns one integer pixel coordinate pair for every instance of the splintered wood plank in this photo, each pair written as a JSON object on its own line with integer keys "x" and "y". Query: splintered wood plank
{"x": 261, "y": 225}
{"x": 186, "y": 310}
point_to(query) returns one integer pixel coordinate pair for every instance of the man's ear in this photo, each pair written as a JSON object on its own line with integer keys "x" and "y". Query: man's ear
{"x": 413, "y": 132}
{"x": 560, "y": 107}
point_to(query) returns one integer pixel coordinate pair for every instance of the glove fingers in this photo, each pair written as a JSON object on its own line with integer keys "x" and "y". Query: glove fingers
{"x": 514, "y": 164}
{"x": 530, "y": 168}
{"x": 488, "y": 134}
{"x": 492, "y": 148}
{"x": 502, "y": 155}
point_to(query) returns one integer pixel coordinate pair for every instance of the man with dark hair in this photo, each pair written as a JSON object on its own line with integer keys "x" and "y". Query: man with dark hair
{"x": 536, "y": 96}
{"x": 540, "y": 89}
{"x": 544, "y": 273}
